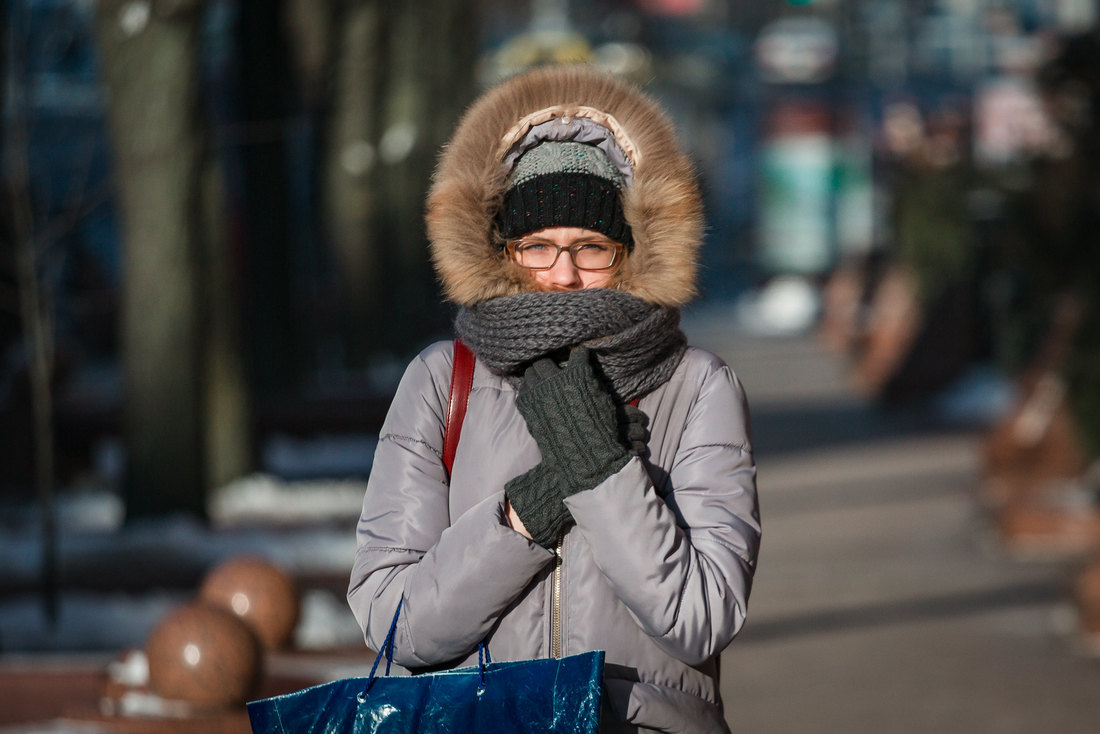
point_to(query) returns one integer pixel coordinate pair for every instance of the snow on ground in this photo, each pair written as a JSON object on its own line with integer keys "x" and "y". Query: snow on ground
{"x": 87, "y": 621}
{"x": 306, "y": 526}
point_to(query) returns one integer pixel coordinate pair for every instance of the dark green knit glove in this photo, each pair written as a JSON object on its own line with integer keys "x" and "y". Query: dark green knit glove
{"x": 634, "y": 431}
{"x": 574, "y": 420}
{"x": 536, "y": 497}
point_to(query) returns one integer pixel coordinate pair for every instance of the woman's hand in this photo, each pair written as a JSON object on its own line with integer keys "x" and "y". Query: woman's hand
{"x": 574, "y": 421}
{"x": 536, "y": 496}
{"x": 512, "y": 517}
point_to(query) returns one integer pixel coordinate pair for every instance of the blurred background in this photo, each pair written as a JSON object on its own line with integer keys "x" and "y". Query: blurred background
{"x": 213, "y": 270}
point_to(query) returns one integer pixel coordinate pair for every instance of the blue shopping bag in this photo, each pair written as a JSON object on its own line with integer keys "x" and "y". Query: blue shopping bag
{"x": 548, "y": 696}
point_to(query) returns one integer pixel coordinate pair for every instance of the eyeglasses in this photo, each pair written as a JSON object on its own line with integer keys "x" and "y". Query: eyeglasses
{"x": 538, "y": 255}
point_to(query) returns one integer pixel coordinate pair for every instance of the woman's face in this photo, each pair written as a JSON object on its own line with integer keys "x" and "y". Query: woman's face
{"x": 564, "y": 275}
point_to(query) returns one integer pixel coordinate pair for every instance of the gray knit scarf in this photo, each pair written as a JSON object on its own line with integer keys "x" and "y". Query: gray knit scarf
{"x": 636, "y": 345}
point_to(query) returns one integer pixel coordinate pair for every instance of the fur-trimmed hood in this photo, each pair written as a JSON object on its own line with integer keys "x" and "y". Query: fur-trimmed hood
{"x": 662, "y": 203}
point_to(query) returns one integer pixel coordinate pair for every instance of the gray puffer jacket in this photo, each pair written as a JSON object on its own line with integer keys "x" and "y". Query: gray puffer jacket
{"x": 656, "y": 571}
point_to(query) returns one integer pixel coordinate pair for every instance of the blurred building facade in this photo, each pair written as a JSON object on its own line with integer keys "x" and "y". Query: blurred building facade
{"x": 826, "y": 133}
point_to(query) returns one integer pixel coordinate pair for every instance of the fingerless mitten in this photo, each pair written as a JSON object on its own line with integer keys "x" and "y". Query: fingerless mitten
{"x": 536, "y": 497}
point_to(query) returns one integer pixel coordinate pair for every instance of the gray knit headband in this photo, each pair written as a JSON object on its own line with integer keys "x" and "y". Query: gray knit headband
{"x": 564, "y": 184}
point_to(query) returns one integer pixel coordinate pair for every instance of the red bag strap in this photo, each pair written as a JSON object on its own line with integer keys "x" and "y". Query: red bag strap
{"x": 462, "y": 378}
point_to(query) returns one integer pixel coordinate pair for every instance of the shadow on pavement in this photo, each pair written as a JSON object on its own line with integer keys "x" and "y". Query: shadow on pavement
{"x": 908, "y": 611}
{"x": 779, "y": 429}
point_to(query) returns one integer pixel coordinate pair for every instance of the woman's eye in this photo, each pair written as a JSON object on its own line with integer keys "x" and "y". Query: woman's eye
{"x": 592, "y": 247}
{"x": 533, "y": 248}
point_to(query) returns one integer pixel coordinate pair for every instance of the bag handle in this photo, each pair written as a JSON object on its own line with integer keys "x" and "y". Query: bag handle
{"x": 483, "y": 658}
{"x": 462, "y": 379}
{"x": 386, "y": 651}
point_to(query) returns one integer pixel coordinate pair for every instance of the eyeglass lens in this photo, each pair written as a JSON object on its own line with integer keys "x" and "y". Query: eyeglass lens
{"x": 585, "y": 255}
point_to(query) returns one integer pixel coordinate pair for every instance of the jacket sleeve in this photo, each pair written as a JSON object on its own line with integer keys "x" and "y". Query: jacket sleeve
{"x": 683, "y": 564}
{"x": 456, "y": 576}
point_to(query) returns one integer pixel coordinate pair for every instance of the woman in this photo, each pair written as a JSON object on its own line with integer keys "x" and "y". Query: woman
{"x": 565, "y": 221}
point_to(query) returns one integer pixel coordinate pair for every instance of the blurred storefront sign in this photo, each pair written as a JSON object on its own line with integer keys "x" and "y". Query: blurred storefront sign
{"x": 550, "y": 38}
{"x": 538, "y": 47}
{"x": 1010, "y": 123}
{"x": 854, "y": 192}
{"x": 802, "y": 50}
{"x": 628, "y": 60}
{"x": 677, "y": 8}
{"x": 796, "y": 193}
{"x": 1075, "y": 16}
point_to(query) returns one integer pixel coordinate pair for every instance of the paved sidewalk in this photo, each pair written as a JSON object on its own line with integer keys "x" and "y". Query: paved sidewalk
{"x": 882, "y": 603}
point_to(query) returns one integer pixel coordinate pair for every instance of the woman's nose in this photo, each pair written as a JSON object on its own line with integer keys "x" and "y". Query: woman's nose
{"x": 564, "y": 273}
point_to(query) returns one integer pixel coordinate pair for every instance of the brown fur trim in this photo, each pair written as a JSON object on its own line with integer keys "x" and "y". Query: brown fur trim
{"x": 663, "y": 207}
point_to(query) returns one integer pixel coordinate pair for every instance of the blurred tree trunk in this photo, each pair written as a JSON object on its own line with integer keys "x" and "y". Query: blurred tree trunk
{"x": 386, "y": 82}
{"x": 227, "y": 405}
{"x": 401, "y": 75}
{"x": 178, "y": 343}
{"x": 455, "y": 33}
{"x": 424, "y": 99}
{"x": 38, "y": 335}
{"x": 351, "y": 182}
{"x": 406, "y": 155}
{"x": 37, "y": 326}
{"x": 275, "y": 359}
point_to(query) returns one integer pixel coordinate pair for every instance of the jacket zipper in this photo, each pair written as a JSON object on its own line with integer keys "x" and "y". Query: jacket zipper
{"x": 555, "y": 609}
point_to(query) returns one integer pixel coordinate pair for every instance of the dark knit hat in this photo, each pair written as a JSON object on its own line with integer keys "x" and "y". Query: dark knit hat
{"x": 564, "y": 184}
